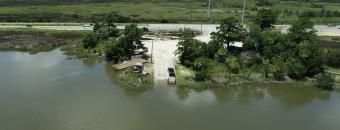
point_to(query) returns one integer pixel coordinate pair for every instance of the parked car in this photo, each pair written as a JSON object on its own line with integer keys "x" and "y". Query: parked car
{"x": 172, "y": 76}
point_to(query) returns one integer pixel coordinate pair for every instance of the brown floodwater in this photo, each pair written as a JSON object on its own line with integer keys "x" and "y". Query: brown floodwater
{"x": 46, "y": 92}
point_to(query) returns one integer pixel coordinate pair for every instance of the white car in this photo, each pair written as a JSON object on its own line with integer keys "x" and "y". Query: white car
{"x": 86, "y": 25}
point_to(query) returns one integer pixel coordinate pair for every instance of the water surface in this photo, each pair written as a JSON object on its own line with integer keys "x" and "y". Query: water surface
{"x": 46, "y": 92}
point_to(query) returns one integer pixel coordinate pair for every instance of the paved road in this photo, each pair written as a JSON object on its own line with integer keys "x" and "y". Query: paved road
{"x": 205, "y": 28}
{"x": 163, "y": 57}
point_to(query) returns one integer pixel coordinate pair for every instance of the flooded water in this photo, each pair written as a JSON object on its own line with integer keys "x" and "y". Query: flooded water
{"x": 46, "y": 92}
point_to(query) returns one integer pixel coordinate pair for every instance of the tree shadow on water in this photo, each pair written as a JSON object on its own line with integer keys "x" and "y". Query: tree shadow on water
{"x": 247, "y": 93}
{"x": 223, "y": 94}
{"x": 90, "y": 62}
{"x": 294, "y": 97}
{"x": 182, "y": 93}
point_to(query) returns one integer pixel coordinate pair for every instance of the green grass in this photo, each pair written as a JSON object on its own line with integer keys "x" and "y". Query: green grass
{"x": 330, "y": 38}
{"x": 336, "y": 70}
{"x": 330, "y": 42}
{"x": 131, "y": 80}
{"x": 180, "y": 12}
{"x": 185, "y": 78}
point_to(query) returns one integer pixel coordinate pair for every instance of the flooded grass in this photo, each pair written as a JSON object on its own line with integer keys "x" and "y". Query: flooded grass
{"x": 34, "y": 40}
{"x": 133, "y": 83}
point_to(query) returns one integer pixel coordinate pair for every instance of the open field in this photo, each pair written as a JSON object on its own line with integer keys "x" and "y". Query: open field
{"x": 331, "y": 42}
{"x": 188, "y": 12}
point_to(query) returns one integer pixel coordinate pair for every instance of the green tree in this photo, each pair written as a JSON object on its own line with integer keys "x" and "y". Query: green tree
{"x": 201, "y": 66}
{"x": 111, "y": 27}
{"x": 332, "y": 58}
{"x": 222, "y": 54}
{"x": 131, "y": 39}
{"x": 110, "y": 19}
{"x": 311, "y": 56}
{"x": 272, "y": 43}
{"x": 295, "y": 69}
{"x": 302, "y": 30}
{"x": 278, "y": 68}
{"x": 106, "y": 30}
{"x": 266, "y": 18}
{"x": 305, "y": 47}
{"x": 213, "y": 48}
{"x": 114, "y": 52}
{"x": 232, "y": 66}
{"x": 96, "y": 27}
{"x": 102, "y": 32}
{"x": 229, "y": 32}
{"x": 201, "y": 63}
{"x": 90, "y": 41}
{"x": 253, "y": 40}
{"x": 325, "y": 81}
{"x": 189, "y": 49}
{"x": 266, "y": 67}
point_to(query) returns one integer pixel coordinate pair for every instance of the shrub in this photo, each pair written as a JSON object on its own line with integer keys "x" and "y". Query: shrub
{"x": 201, "y": 75}
{"x": 264, "y": 3}
{"x": 90, "y": 41}
{"x": 332, "y": 58}
{"x": 325, "y": 81}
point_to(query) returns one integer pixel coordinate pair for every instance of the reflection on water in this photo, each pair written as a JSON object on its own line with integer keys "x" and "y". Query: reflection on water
{"x": 90, "y": 62}
{"x": 224, "y": 94}
{"x": 245, "y": 94}
{"x": 292, "y": 97}
{"x": 182, "y": 93}
{"x": 298, "y": 97}
{"x": 47, "y": 92}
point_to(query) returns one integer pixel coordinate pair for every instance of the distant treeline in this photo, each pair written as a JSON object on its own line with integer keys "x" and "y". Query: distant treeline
{"x": 320, "y": 13}
{"x": 58, "y": 17}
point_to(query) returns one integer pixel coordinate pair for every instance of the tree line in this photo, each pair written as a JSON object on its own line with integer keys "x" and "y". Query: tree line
{"x": 116, "y": 45}
{"x": 276, "y": 55}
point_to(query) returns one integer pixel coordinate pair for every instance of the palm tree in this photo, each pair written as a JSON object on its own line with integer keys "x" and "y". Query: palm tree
{"x": 231, "y": 65}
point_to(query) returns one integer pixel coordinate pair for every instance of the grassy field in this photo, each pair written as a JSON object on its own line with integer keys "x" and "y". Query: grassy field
{"x": 330, "y": 42}
{"x": 167, "y": 11}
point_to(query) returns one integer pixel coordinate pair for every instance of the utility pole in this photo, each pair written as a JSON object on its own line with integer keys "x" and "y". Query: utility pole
{"x": 244, "y": 7}
{"x": 152, "y": 52}
{"x": 190, "y": 12}
{"x": 201, "y": 28}
{"x": 324, "y": 13}
{"x": 209, "y": 9}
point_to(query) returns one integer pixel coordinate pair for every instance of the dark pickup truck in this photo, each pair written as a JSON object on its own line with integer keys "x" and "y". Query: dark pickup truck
{"x": 172, "y": 76}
